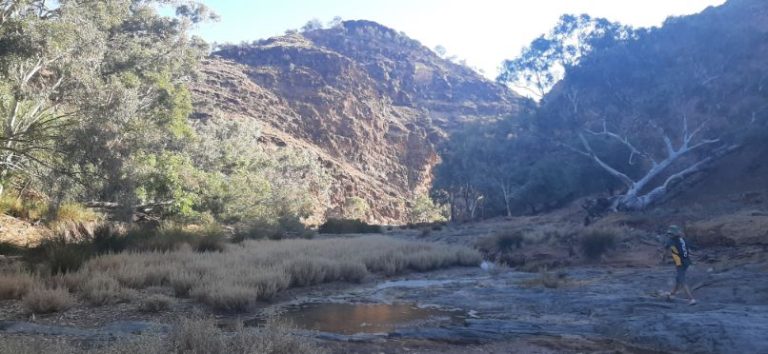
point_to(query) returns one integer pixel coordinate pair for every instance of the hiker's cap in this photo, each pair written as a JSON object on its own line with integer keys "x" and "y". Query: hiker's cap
{"x": 674, "y": 230}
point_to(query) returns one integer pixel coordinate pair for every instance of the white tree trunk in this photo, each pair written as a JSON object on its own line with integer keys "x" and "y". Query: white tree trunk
{"x": 634, "y": 198}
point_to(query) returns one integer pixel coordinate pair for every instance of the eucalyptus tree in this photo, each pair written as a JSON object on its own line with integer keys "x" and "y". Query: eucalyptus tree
{"x": 90, "y": 88}
{"x": 545, "y": 61}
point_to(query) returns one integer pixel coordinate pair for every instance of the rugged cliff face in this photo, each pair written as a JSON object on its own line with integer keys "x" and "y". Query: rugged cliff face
{"x": 369, "y": 102}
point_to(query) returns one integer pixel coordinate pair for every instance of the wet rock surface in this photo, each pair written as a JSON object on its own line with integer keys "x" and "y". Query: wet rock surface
{"x": 597, "y": 304}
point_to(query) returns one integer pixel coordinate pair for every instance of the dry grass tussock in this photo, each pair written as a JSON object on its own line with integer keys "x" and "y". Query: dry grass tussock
{"x": 15, "y": 283}
{"x": 156, "y": 303}
{"x": 99, "y": 289}
{"x": 257, "y": 270}
{"x": 189, "y": 337}
{"x": 47, "y": 300}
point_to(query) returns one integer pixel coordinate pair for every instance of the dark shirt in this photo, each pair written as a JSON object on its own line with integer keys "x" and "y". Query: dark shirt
{"x": 679, "y": 249}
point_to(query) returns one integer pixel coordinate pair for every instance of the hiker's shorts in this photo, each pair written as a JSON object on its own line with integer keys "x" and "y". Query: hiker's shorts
{"x": 680, "y": 276}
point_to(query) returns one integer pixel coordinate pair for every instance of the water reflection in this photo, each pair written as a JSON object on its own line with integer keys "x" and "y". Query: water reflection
{"x": 364, "y": 318}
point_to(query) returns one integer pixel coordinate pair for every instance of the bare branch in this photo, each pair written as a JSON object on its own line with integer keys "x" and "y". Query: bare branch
{"x": 697, "y": 130}
{"x": 623, "y": 177}
{"x": 633, "y": 150}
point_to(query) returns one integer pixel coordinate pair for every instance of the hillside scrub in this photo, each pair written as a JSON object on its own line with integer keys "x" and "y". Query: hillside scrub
{"x": 632, "y": 115}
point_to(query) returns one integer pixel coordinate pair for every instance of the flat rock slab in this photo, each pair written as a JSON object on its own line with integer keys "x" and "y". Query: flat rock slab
{"x": 616, "y": 305}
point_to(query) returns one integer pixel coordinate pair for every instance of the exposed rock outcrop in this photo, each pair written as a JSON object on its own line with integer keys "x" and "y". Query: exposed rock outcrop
{"x": 368, "y": 101}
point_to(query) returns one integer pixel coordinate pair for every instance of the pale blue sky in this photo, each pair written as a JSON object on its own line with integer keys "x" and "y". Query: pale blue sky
{"x": 484, "y": 32}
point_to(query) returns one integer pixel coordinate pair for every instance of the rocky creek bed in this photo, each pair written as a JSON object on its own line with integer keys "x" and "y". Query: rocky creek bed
{"x": 463, "y": 309}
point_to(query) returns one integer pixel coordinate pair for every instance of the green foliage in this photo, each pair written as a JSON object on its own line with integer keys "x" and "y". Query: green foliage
{"x": 169, "y": 176}
{"x": 266, "y": 191}
{"x": 506, "y": 168}
{"x": 546, "y": 60}
{"x": 75, "y": 212}
{"x": 355, "y": 208}
{"x": 347, "y": 226}
{"x": 423, "y": 210}
{"x": 95, "y": 101}
{"x": 596, "y": 243}
{"x": 89, "y": 89}
{"x": 27, "y": 209}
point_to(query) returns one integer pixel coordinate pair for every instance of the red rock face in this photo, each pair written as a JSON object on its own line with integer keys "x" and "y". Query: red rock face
{"x": 369, "y": 102}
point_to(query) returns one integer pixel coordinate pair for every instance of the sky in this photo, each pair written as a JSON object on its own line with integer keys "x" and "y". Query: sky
{"x": 483, "y": 32}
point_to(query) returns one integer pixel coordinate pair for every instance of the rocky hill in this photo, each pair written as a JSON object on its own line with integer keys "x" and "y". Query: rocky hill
{"x": 368, "y": 101}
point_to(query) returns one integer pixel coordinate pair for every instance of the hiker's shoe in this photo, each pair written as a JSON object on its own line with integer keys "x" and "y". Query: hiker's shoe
{"x": 692, "y": 302}
{"x": 669, "y": 296}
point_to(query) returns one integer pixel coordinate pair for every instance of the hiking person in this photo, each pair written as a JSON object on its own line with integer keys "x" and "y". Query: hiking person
{"x": 678, "y": 247}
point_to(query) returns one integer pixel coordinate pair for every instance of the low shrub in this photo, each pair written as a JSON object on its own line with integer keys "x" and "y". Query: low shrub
{"x": 595, "y": 243}
{"x": 197, "y": 337}
{"x": 284, "y": 228}
{"x": 212, "y": 238}
{"x": 28, "y": 209}
{"x": 42, "y": 300}
{"x": 182, "y": 282}
{"x": 10, "y": 249}
{"x": 505, "y": 241}
{"x": 352, "y": 272}
{"x": 155, "y": 303}
{"x": 274, "y": 337}
{"x": 76, "y": 212}
{"x": 14, "y": 286}
{"x": 204, "y": 337}
{"x": 62, "y": 256}
{"x": 109, "y": 239}
{"x": 170, "y": 237}
{"x": 348, "y": 226}
{"x": 165, "y": 239}
{"x": 99, "y": 289}
{"x": 501, "y": 242}
{"x": 73, "y": 221}
{"x": 226, "y": 297}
